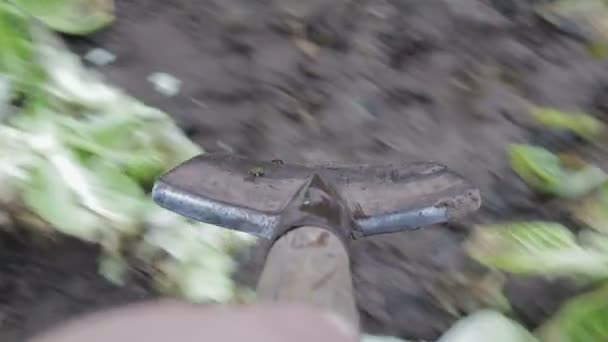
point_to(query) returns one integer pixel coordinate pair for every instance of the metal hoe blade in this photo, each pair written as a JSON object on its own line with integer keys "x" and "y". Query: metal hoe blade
{"x": 249, "y": 195}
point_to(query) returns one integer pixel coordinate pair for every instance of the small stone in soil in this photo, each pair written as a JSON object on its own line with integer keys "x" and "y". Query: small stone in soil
{"x": 257, "y": 171}
{"x": 165, "y": 84}
{"x": 100, "y": 57}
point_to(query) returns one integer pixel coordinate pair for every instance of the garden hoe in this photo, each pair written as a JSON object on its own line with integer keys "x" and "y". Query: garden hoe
{"x": 312, "y": 213}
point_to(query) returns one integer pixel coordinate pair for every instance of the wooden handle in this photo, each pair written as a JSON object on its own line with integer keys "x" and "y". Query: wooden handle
{"x": 310, "y": 265}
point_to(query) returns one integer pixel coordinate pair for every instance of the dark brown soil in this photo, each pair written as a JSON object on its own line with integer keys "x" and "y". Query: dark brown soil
{"x": 341, "y": 80}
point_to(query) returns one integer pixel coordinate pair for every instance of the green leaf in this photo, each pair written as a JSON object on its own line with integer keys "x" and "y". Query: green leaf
{"x": 593, "y": 240}
{"x": 142, "y": 163}
{"x": 581, "y": 19}
{"x": 102, "y": 121}
{"x": 468, "y": 291}
{"x": 4, "y": 97}
{"x": 111, "y": 124}
{"x": 598, "y": 49}
{"x": 583, "y": 125}
{"x": 592, "y": 211}
{"x": 71, "y": 84}
{"x": 113, "y": 268}
{"x": 77, "y": 156}
{"x": 583, "y": 318}
{"x": 97, "y": 190}
{"x": 195, "y": 283}
{"x": 122, "y": 199}
{"x": 536, "y": 248}
{"x": 79, "y": 17}
{"x": 48, "y": 196}
{"x": 545, "y": 173}
{"x": 17, "y": 52}
{"x": 193, "y": 260}
{"x": 584, "y": 20}
{"x": 484, "y": 326}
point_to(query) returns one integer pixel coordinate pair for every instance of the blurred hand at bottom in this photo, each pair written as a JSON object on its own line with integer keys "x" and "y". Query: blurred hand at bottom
{"x": 170, "y": 321}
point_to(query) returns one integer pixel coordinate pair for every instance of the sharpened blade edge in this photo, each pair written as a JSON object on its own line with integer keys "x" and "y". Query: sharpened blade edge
{"x": 398, "y": 222}
{"x": 221, "y": 214}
